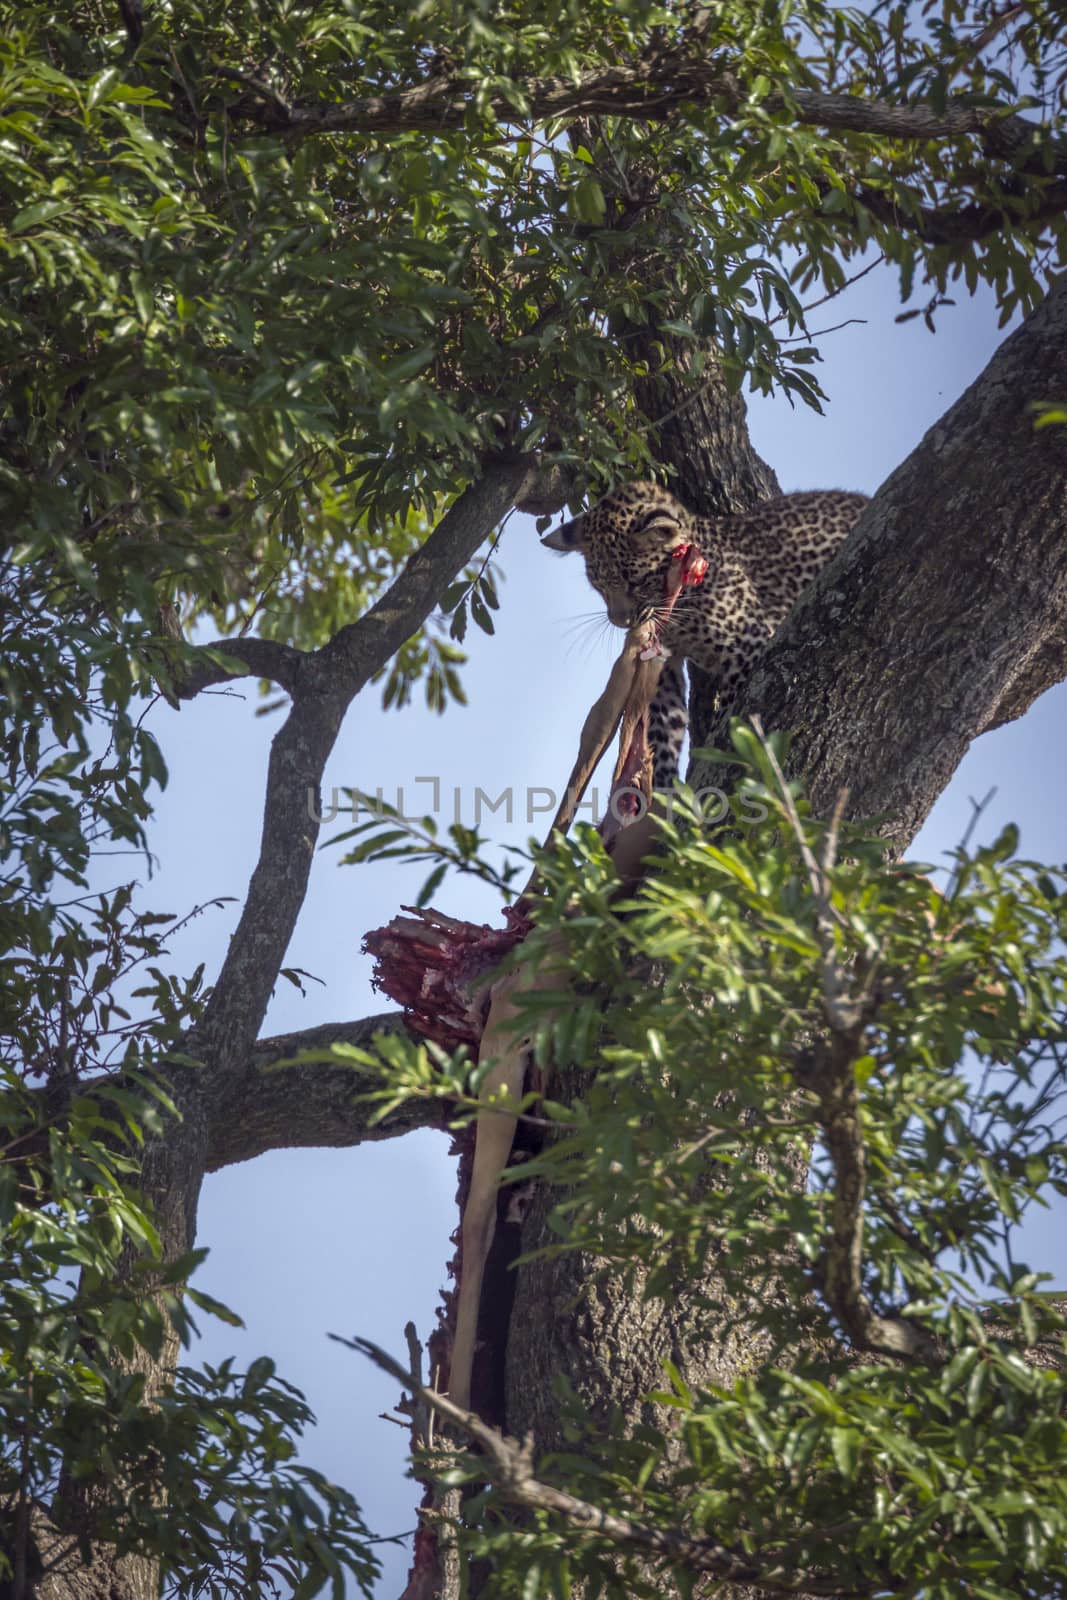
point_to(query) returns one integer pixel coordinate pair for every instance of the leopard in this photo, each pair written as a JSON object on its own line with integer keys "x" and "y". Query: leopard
{"x": 759, "y": 564}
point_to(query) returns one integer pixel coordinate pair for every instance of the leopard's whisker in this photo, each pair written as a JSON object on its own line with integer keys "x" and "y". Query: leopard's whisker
{"x": 584, "y": 619}
{"x": 587, "y": 631}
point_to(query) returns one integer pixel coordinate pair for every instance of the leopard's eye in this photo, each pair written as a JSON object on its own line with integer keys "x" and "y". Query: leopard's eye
{"x": 659, "y": 519}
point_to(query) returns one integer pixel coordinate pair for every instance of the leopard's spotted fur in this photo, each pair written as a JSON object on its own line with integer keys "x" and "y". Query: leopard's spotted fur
{"x": 760, "y": 562}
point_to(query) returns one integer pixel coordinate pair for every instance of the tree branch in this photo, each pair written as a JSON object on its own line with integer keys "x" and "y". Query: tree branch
{"x": 308, "y": 1104}
{"x": 1002, "y": 133}
{"x": 831, "y": 1076}
{"x": 360, "y": 649}
{"x": 654, "y": 88}
{"x": 964, "y": 224}
{"x": 650, "y": 88}
{"x": 510, "y": 1465}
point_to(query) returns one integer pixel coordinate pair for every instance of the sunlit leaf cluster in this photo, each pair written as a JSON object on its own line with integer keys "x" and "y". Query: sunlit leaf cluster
{"x": 692, "y": 1145}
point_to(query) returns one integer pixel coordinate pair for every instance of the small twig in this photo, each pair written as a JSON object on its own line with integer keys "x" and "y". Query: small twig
{"x": 695, "y": 394}
{"x": 820, "y": 333}
{"x": 829, "y": 854}
{"x": 996, "y": 24}
{"x": 441, "y": 1508}
{"x": 904, "y": 1230}
{"x": 260, "y": 601}
{"x": 977, "y": 810}
{"x": 422, "y": 1414}
{"x": 813, "y": 305}
{"x": 624, "y": 182}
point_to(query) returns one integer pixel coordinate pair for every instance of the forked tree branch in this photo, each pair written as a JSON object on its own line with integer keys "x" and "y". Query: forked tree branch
{"x": 323, "y": 685}
{"x": 226, "y": 659}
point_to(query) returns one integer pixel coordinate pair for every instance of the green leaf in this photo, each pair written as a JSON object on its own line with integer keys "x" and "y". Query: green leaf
{"x": 101, "y": 86}
{"x": 32, "y": 216}
{"x": 845, "y": 1444}
{"x": 587, "y": 201}
{"x": 208, "y": 1303}
{"x": 142, "y": 296}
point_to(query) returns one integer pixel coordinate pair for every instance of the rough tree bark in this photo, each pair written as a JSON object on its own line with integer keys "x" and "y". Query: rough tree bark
{"x": 944, "y": 615}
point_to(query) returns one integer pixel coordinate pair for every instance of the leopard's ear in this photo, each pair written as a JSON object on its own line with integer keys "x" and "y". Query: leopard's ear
{"x": 567, "y": 537}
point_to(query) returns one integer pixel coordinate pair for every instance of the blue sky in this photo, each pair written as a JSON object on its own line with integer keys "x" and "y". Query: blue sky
{"x": 308, "y": 1242}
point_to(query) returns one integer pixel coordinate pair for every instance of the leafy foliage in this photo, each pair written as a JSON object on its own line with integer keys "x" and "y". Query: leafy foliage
{"x": 248, "y": 360}
{"x": 200, "y": 1474}
{"x": 386, "y": 835}
{"x": 700, "y": 1029}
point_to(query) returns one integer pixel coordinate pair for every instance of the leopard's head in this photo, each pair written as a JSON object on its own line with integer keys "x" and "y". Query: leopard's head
{"x": 627, "y": 540}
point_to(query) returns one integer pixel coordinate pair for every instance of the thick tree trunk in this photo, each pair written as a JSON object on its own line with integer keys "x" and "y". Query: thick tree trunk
{"x": 605, "y": 1341}
{"x": 699, "y": 429}
{"x": 945, "y": 614}
{"x": 610, "y": 1347}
